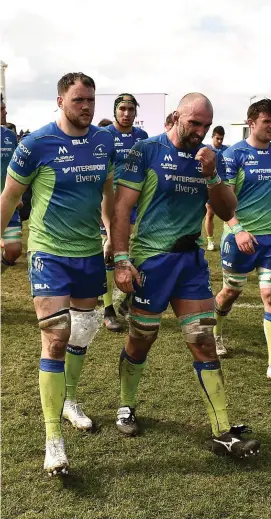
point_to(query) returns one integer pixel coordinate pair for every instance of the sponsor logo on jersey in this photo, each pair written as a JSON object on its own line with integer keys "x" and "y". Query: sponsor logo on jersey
{"x": 100, "y": 152}
{"x": 87, "y": 178}
{"x": 38, "y": 264}
{"x": 251, "y": 163}
{"x": 185, "y": 155}
{"x": 77, "y": 142}
{"x": 251, "y": 157}
{"x": 136, "y": 153}
{"x": 64, "y": 158}
{"x": 168, "y": 165}
{"x": 24, "y": 149}
{"x": 18, "y": 160}
{"x": 62, "y": 150}
{"x": 7, "y": 140}
{"x": 268, "y": 170}
{"x": 126, "y": 135}
{"x": 131, "y": 167}
{"x": 168, "y": 158}
{"x": 88, "y": 167}
{"x": 228, "y": 159}
{"x": 263, "y": 152}
{"x": 182, "y": 178}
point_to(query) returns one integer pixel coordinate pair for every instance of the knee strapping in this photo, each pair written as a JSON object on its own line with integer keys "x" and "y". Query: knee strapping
{"x": 234, "y": 281}
{"x": 12, "y": 235}
{"x": 197, "y": 328}
{"x": 264, "y": 276}
{"x": 144, "y": 326}
{"x": 59, "y": 320}
{"x": 84, "y": 326}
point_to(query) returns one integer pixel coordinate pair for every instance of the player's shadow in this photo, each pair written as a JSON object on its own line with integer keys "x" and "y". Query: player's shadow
{"x": 94, "y": 479}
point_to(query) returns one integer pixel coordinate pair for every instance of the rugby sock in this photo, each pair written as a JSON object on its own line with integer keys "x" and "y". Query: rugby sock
{"x": 108, "y": 297}
{"x": 209, "y": 376}
{"x": 74, "y": 361}
{"x": 130, "y": 371}
{"x": 267, "y": 332}
{"x": 220, "y": 316}
{"x": 52, "y": 395}
{"x": 210, "y": 239}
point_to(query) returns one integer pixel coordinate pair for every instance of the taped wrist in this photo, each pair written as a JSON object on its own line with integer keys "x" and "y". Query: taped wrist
{"x": 237, "y": 228}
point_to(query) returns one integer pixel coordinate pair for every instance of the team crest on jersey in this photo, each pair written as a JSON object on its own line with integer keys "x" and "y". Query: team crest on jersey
{"x": 100, "y": 152}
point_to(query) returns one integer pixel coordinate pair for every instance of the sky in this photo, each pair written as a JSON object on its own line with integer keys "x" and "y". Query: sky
{"x": 220, "y": 48}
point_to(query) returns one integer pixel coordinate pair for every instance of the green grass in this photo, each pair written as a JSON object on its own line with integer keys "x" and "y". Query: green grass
{"x": 168, "y": 472}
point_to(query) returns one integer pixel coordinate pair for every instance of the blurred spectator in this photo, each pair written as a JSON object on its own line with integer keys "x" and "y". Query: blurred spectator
{"x": 169, "y": 122}
{"x": 104, "y": 122}
{"x": 11, "y": 127}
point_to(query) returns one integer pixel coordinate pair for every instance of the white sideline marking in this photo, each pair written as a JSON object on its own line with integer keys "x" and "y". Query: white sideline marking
{"x": 247, "y": 305}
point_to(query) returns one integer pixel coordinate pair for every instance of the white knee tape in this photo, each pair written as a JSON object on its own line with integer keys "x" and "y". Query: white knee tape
{"x": 197, "y": 328}
{"x": 264, "y": 276}
{"x": 57, "y": 321}
{"x": 234, "y": 281}
{"x": 84, "y": 326}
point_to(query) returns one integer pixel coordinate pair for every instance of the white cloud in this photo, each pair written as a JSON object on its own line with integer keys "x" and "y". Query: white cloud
{"x": 219, "y": 48}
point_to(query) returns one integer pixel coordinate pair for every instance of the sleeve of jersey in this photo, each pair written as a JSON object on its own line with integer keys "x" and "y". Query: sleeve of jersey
{"x": 23, "y": 166}
{"x": 231, "y": 166}
{"x": 134, "y": 170}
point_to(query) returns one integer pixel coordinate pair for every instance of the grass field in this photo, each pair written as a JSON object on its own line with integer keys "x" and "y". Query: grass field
{"x": 168, "y": 472}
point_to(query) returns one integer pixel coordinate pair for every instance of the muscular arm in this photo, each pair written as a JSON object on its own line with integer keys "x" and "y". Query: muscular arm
{"x": 108, "y": 205}
{"x": 125, "y": 200}
{"x": 10, "y": 198}
{"x": 223, "y": 201}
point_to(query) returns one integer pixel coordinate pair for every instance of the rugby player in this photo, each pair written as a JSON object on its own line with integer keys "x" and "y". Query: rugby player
{"x": 69, "y": 164}
{"x": 12, "y": 237}
{"x": 170, "y": 178}
{"x": 246, "y": 242}
{"x": 125, "y": 136}
{"x": 218, "y": 135}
